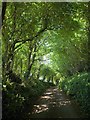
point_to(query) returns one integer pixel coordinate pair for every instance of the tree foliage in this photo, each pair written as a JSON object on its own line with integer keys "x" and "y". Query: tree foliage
{"x": 42, "y": 40}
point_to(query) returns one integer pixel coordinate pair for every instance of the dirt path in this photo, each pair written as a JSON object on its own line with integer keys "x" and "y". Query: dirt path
{"x": 55, "y": 104}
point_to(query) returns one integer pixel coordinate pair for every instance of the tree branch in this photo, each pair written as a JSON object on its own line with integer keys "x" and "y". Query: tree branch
{"x": 30, "y": 39}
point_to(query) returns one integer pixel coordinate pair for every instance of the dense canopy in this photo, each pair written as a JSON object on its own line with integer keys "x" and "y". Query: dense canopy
{"x": 42, "y": 42}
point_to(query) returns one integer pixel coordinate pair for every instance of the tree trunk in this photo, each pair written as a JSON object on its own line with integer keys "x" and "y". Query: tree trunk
{"x": 2, "y": 16}
{"x": 38, "y": 75}
{"x": 44, "y": 77}
{"x": 26, "y": 76}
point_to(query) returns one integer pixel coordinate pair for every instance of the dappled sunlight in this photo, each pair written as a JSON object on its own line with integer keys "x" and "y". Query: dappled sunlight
{"x": 40, "y": 108}
{"x": 60, "y": 90}
{"x": 53, "y": 104}
{"x": 54, "y": 90}
{"x": 54, "y": 101}
{"x": 63, "y": 103}
{"x": 44, "y": 49}
{"x": 60, "y": 103}
{"x": 46, "y": 97}
{"x": 48, "y": 93}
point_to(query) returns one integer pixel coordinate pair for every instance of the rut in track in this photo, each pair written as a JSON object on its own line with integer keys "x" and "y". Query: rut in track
{"x": 55, "y": 104}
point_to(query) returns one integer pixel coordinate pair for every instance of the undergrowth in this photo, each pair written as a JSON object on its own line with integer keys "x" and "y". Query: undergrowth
{"x": 17, "y": 96}
{"x": 78, "y": 86}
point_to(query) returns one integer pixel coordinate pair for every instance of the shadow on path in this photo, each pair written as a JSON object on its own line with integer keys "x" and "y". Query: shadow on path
{"x": 55, "y": 104}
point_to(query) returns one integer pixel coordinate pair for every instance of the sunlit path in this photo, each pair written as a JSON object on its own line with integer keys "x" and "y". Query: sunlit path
{"x": 55, "y": 104}
{"x": 44, "y": 44}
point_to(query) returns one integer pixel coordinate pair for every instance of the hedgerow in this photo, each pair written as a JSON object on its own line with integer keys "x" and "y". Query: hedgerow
{"x": 78, "y": 86}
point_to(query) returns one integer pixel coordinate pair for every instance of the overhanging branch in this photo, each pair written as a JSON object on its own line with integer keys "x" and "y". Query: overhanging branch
{"x": 30, "y": 39}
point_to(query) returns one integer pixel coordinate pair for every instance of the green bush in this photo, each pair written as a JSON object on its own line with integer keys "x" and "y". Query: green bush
{"x": 15, "y": 96}
{"x": 78, "y": 86}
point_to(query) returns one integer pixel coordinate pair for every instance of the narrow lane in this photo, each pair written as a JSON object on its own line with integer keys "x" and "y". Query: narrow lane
{"x": 55, "y": 104}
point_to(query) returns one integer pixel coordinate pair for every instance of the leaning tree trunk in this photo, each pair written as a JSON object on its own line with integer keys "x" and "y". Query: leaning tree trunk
{"x": 8, "y": 55}
{"x": 2, "y": 16}
{"x": 33, "y": 54}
